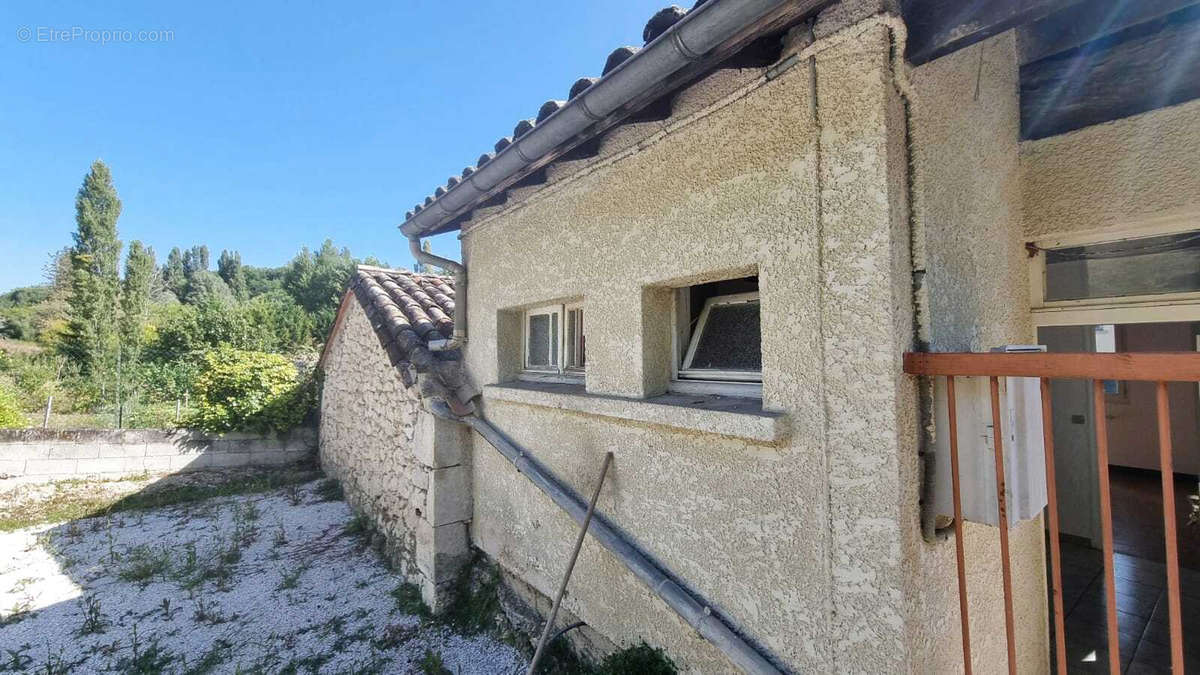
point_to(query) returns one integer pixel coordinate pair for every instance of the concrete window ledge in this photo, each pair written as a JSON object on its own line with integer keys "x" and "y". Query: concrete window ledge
{"x": 720, "y": 415}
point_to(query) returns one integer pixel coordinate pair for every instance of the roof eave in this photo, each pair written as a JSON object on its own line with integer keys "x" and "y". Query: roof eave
{"x": 704, "y": 36}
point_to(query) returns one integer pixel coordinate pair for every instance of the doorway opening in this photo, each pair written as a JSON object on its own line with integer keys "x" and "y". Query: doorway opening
{"x": 1137, "y": 507}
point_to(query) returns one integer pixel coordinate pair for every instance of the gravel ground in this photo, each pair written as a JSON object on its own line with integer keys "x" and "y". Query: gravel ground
{"x": 275, "y": 582}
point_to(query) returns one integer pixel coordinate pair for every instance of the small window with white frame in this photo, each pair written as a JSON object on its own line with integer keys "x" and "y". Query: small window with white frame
{"x": 554, "y": 343}
{"x": 719, "y": 339}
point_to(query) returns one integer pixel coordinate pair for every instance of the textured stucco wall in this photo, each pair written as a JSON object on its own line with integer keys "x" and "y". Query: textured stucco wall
{"x": 398, "y": 464}
{"x": 1115, "y": 175}
{"x": 800, "y": 544}
{"x": 965, "y": 129}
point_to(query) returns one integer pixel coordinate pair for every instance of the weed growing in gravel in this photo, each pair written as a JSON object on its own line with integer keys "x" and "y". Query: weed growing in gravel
{"x": 216, "y": 655}
{"x": 143, "y": 563}
{"x": 408, "y": 600}
{"x": 17, "y": 658}
{"x": 329, "y": 490}
{"x": 19, "y": 611}
{"x": 150, "y": 659}
{"x": 244, "y": 517}
{"x": 290, "y": 579}
{"x": 475, "y": 602}
{"x": 207, "y": 612}
{"x": 55, "y": 664}
{"x": 432, "y": 664}
{"x": 360, "y": 526}
{"x": 94, "y": 620}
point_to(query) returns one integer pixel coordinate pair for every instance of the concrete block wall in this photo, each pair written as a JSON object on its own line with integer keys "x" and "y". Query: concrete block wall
{"x": 42, "y": 454}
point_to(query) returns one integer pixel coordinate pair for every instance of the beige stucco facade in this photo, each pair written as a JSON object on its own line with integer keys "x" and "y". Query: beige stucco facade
{"x": 1131, "y": 173}
{"x": 883, "y": 209}
{"x": 811, "y": 543}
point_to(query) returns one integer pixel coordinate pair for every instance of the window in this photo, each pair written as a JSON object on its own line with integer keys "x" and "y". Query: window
{"x": 1130, "y": 267}
{"x": 719, "y": 338}
{"x": 554, "y": 340}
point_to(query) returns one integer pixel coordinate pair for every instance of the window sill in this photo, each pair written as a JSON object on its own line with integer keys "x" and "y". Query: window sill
{"x": 723, "y": 416}
{"x": 548, "y": 377}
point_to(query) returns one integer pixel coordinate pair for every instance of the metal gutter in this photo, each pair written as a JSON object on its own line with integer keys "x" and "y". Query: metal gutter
{"x": 699, "y": 617}
{"x": 702, "y": 30}
{"x": 460, "y": 287}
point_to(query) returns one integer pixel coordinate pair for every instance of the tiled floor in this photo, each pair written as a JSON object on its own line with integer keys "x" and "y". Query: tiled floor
{"x": 1142, "y": 620}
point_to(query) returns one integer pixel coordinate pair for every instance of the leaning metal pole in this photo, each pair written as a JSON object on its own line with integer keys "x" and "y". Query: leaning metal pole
{"x": 562, "y": 588}
{"x": 707, "y": 623}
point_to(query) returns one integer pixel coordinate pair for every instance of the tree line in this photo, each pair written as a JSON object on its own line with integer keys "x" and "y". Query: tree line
{"x": 99, "y": 334}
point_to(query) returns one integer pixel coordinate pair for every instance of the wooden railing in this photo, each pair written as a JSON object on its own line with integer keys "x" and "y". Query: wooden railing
{"x": 1159, "y": 368}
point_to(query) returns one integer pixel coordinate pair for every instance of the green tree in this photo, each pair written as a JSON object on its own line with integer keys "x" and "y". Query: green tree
{"x": 316, "y": 282}
{"x": 91, "y": 336}
{"x": 229, "y": 268}
{"x": 173, "y": 276}
{"x": 135, "y": 299}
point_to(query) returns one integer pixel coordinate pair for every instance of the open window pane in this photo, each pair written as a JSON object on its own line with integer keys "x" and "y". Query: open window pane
{"x": 574, "y": 339}
{"x": 1144, "y": 266}
{"x": 730, "y": 338}
{"x": 554, "y": 339}
{"x": 539, "y": 339}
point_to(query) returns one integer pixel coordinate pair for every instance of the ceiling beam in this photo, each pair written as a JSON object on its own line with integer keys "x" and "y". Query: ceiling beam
{"x": 938, "y": 27}
{"x": 1079, "y": 24}
{"x": 1151, "y": 65}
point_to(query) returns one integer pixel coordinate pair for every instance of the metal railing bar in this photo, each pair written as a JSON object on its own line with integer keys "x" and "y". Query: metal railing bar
{"x": 959, "y": 551}
{"x": 1110, "y": 583}
{"x": 1147, "y": 366}
{"x": 1167, "y": 469}
{"x": 1002, "y": 512}
{"x": 1060, "y": 633}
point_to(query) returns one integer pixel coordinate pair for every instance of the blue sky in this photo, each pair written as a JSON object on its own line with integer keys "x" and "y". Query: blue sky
{"x": 265, "y": 126}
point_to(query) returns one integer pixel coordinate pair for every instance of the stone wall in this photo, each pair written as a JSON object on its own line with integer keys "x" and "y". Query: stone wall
{"x": 41, "y": 454}
{"x": 400, "y": 465}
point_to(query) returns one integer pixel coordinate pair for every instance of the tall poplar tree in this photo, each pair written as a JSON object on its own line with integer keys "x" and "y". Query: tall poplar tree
{"x": 93, "y": 305}
{"x": 173, "y": 275}
{"x": 135, "y": 298}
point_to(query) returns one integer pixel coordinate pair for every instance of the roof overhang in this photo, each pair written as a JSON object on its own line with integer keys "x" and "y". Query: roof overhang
{"x": 697, "y": 43}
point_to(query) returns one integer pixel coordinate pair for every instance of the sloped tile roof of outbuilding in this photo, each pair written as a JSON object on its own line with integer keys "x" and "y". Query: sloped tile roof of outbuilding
{"x": 409, "y": 312}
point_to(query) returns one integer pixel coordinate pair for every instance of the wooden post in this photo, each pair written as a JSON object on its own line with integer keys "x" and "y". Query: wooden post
{"x": 562, "y": 588}
{"x": 46, "y": 417}
{"x": 177, "y": 410}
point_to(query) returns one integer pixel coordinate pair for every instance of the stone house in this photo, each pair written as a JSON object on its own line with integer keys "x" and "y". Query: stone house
{"x": 710, "y": 262}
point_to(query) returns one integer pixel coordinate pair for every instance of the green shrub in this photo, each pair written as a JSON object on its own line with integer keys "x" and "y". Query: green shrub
{"x": 249, "y": 391}
{"x": 10, "y": 409}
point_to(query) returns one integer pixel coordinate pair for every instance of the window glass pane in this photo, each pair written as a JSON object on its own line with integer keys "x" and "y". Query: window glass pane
{"x": 1145, "y": 266}
{"x": 572, "y": 337}
{"x": 538, "y": 349}
{"x": 731, "y": 338}
{"x": 554, "y": 339}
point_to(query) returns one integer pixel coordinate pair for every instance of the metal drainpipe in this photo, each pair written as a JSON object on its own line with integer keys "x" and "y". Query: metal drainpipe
{"x": 698, "y": 616}
{"x": 460, "y": 286}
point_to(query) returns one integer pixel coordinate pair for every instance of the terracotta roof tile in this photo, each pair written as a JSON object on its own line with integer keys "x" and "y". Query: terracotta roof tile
{"x": 408, "y": 311}
{"x": 658, "y": 24}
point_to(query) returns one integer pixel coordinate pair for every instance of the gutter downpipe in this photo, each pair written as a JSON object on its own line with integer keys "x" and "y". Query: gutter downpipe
{"x": 460, "y": 286}
{"x": 699, "y": 617}
{"x": 696, "y": 34}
